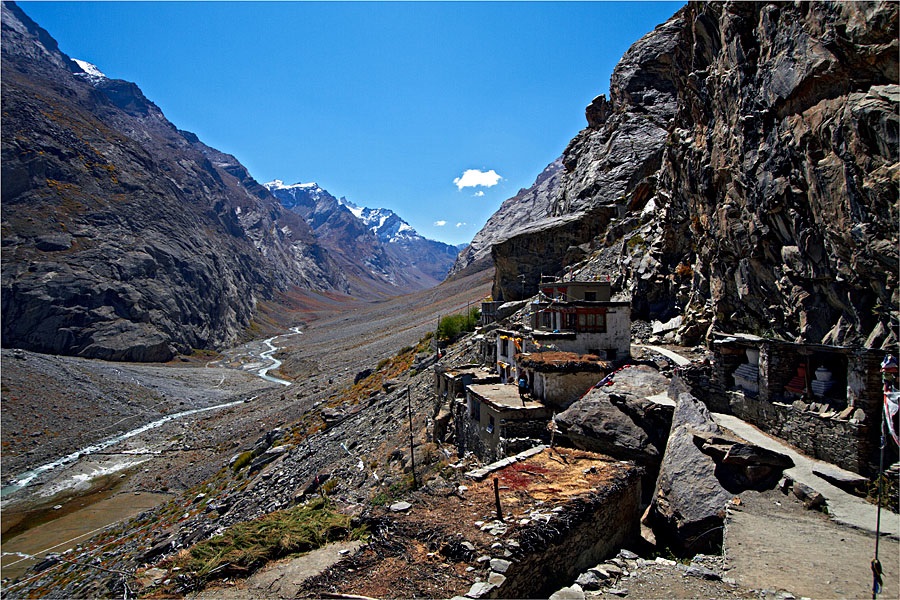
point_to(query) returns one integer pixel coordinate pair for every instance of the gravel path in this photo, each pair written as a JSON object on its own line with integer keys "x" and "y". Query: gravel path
{"x": 844, "y": 508}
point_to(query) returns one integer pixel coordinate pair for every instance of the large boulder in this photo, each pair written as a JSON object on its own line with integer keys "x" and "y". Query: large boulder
{"x": 740, "y": 465}
{"x": 688, "y": 508}
{"x": 618, "y": 420}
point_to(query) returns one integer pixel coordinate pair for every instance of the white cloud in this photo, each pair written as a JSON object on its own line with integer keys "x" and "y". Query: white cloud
{"x": 479, "y": 193}
{"x": 476, "y": 178}
{"x": 440, "y": 223}
{"x": 461, "y": 224}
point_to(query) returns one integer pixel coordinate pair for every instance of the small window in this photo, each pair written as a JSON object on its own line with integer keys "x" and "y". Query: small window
{"x": 545, "y": 320}
{"x": 590, "y": 296}
{"x": 490, "y": 427}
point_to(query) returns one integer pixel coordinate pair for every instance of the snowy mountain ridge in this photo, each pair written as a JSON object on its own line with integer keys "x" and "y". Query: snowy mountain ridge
{"x": 375, "y": 239}
{"x": 383, "y": 222}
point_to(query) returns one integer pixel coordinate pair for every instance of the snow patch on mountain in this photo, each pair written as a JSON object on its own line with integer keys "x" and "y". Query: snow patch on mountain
{"x": 91, "y": 72}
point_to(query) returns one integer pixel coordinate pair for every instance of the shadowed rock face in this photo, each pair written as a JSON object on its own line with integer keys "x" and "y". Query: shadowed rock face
{"x": 124, "y": 238}
{"x": 742, "y": 173}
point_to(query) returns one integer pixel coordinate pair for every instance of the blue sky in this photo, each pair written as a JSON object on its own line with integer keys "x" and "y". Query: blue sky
{"x": 387, "y": 104}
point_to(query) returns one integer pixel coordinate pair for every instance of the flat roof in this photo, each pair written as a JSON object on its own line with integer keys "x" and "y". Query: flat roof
{"x": 503, "y": 395}
{"x": 563, "y": 361}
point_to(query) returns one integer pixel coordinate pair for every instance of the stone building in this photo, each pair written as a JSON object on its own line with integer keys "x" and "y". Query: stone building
{"x": 450, "y": 385}
{"x": 490, "y": 311}
{"x": 579, "y": 316}
{"x": 493, "y": 421}
{"x": 451, "y": 382}
{"x": 824, "y": 400}
{"x": 491, "y": 418}
{"x": 560, "y": 378}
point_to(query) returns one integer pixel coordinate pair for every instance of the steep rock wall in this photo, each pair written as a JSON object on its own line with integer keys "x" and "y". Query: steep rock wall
{"x": 750, "y": 151}
{"x": 124, "y": 238}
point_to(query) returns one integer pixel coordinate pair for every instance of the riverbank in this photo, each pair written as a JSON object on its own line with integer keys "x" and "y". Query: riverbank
{"x": 54, "y": 406}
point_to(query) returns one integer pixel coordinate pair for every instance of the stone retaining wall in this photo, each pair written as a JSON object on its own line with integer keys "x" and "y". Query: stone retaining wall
{"x": 840, "y": 442}
{"x": 842, "y": 428}
{"x": 588, "y": 530}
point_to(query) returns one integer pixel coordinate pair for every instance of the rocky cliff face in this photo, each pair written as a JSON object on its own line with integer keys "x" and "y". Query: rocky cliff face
{"x": 514, "y": 216}
{"x": 376, "y": 246}
{"x": 124, "y": 238}
{"x": 743, "y": 173}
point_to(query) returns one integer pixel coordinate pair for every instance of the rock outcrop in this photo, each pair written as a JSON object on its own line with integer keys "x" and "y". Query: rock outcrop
{"x": 619, "y": 421}
{"x": 513, "y": 216}
{"x": 124, "y": 238}
{"x": 743, "y": 173}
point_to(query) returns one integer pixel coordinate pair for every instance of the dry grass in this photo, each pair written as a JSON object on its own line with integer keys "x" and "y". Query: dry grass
{"x": 245, "y": 547}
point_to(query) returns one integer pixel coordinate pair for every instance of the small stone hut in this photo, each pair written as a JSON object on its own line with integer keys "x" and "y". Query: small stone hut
{"x": 824, "y": 400}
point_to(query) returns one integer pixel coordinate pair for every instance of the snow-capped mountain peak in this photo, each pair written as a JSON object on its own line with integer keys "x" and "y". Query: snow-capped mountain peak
{"x": 91, "y": 72}
{"x": 386, "y": 224}
{"x": 280, "y": 185}
{"x": 377, "y": 238}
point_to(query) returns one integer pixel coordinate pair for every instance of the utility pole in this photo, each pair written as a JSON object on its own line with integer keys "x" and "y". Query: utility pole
{"x": 412, "y": 450}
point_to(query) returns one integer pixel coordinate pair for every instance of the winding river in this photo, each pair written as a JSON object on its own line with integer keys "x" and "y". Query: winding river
{"x": 22, "y": 480}
{"x": 274, "y": 362}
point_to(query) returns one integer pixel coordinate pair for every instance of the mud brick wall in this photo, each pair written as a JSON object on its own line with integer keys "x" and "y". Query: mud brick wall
{"x": 588, "y": 530}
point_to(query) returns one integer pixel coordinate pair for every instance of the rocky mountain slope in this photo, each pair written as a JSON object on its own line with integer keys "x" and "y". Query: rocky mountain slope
{"x": 369, "y": 243}
{"x": 125, "y": 238}
{"x": 513, "y": 217}
{"x": 743, "y": 174}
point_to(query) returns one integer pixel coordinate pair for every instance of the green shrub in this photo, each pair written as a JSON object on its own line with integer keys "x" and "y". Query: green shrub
{"x": 380, "y": 499}
{"x": 242, "y": 460}
{"x": 451, "y": 326}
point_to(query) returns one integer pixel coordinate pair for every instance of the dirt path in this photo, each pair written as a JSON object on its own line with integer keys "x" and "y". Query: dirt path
{"x": 773, "y": 542}
{"x": 843, "y": 508}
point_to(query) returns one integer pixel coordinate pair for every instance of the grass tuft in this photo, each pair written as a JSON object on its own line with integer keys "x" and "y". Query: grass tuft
{"x": 245, "y": 547}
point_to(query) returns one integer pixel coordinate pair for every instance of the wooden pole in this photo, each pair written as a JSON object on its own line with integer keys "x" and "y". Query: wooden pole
{"x": 497, "y": 499}
{"x": 412, "y": 450}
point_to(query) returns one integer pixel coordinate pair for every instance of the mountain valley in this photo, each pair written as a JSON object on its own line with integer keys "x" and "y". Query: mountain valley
{"x": 371, "y": 242}
{"x": 735, "y": 198}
